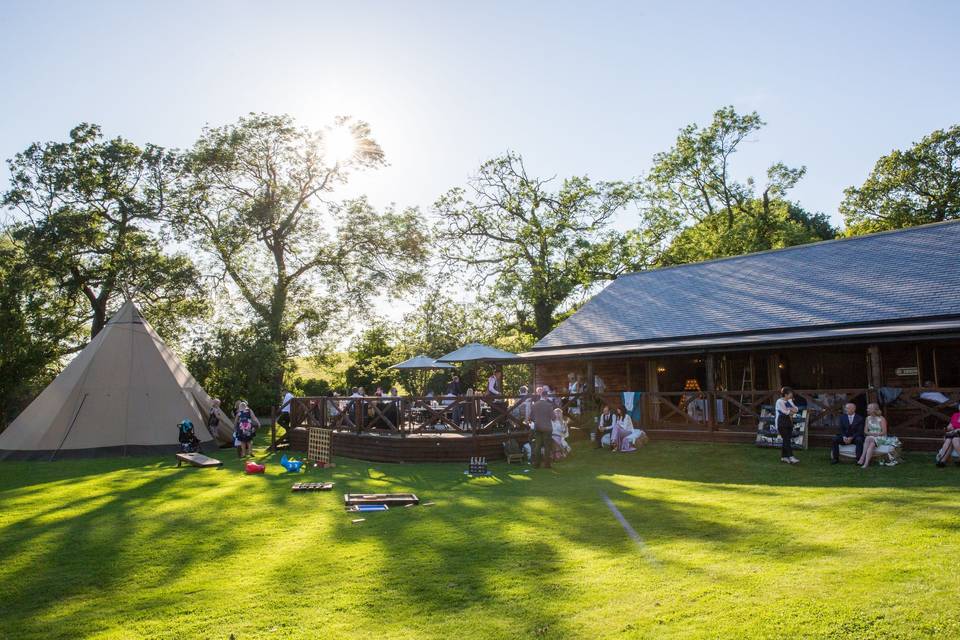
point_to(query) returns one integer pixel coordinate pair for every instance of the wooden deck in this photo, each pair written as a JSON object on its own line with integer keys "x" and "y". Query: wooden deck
{"x": 440, "y": 447}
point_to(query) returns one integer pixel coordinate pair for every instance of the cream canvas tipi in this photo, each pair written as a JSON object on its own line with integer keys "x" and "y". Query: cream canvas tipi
{"x": 122, "y": 395}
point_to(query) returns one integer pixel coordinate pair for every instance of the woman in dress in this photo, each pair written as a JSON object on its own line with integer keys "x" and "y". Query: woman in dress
{"x": 246, "y": 428}
{"x": 951, "y": 441}
{"x": 560, "y": 434}
{"x": 622, "y": 428}
{"x": 874, "y": 429}
{"x": 785, "y": 410}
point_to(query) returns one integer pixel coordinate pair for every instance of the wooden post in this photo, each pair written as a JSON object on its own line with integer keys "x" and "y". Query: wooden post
{"x": 708, "y": 411}
{"x": 774, "y": 378}
{"x": 591, "y": 387}
{"x": 629, "y": 377}
{"x": 936, "y": 375}
{"x": 652, "y": 415}
{"x": 273, "y": 429}
{"x": 875, "y": 374}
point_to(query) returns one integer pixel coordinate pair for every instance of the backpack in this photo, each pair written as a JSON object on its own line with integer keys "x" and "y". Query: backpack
{"x": 246, "y": 428}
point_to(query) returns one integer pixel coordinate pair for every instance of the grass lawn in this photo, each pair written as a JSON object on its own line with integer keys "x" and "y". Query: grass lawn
{"x": 734, "y": 545}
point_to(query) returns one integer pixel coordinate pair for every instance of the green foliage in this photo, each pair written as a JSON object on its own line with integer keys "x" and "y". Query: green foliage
{"x": 255, "y": 196}
{"x": 313, "y": 387}
{"x": 538, "y": 246}
{"x": 89, "y": 209}
{"x": 372, "y": 353}
{"x": 907, "y": 188}
{"x": 237, "y": 364}
{"x": 785, "y": 225}
{"x": 36, "y": 327}
{"x": 696, "y": 204}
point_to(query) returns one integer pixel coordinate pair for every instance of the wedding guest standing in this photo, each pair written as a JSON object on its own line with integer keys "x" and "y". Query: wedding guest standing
{"x": 560, "y": 433}
{"x": 785, "y": 410}
{"x": 542, "y": 413}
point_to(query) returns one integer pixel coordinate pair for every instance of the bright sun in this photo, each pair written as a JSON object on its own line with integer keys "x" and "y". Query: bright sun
{"x": 340, "y": 144}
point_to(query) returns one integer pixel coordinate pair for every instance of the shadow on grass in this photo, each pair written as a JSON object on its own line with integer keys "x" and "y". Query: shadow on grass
{"x": 497, "y": 546}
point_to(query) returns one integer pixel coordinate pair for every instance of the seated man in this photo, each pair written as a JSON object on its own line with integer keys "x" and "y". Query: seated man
{"x": 605, "y": 422}
{"x": 851, "y": 432}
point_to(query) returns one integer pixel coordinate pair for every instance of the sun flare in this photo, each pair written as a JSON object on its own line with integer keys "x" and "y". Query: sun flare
{"x": 340, "y": 144}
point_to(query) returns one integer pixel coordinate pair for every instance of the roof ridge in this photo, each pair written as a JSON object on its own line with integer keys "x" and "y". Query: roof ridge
{"x": 808, "y": 245}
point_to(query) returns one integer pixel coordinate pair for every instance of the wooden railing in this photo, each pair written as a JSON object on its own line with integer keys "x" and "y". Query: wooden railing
{"x": 908, "y": 414}
{"x": 407, "y": 415}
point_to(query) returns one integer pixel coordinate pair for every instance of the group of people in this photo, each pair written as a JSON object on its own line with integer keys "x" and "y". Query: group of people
{"x": 550, "y": 430}
{"x": 866, "y": 434}
{"x": 618, "y": 425}
{"x": 245, "y": 424}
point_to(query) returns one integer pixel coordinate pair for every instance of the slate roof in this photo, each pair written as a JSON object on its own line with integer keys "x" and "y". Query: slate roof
{"x": 891, "y": 276}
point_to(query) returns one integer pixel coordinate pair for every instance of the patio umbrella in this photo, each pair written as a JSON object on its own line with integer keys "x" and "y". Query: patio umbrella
{"x": 476, "y": 352}
{"x": 421, "y": 362}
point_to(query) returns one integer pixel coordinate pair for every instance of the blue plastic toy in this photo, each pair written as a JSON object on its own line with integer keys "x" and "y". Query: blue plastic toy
{"x": 292, "y": 466}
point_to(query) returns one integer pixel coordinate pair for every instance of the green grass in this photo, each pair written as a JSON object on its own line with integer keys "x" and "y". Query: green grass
{"x": 735, "y": 545}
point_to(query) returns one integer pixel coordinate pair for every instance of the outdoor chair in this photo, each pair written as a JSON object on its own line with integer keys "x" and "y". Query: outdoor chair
{"x": 848, "y": 452}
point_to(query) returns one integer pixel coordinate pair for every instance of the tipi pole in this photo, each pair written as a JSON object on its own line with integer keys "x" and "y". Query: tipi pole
{"x": 70, "y": 428}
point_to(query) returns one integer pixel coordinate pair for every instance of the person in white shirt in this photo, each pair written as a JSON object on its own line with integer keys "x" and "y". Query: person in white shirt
{"x": 573, "y": 389}
{"x": 493, "y": 384}
{"x": 785, "y": 410}
{"x": 284, "y": 418}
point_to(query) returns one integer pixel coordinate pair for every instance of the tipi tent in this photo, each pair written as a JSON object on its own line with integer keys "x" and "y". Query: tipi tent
{"x": 123, "y": 394}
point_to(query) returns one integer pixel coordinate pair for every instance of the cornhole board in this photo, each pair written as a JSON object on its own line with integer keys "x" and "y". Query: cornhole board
{"x": 312, "y": 486}
{"x": 388, "y": 499}
{"x": 197, "y": 460}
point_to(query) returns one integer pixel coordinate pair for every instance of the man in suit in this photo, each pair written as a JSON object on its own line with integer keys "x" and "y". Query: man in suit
{"x": 542, "y": 414}
{"x": 851, "y": 432}
{"x": 456, "y": 390}
{"x": 604, "y": 425}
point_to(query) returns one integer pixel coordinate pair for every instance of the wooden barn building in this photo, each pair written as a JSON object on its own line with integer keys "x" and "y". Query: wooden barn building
{"x": 864, "y": 319}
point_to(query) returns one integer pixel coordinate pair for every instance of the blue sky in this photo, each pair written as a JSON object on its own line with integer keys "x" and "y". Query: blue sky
{"x": 586, "y": 87}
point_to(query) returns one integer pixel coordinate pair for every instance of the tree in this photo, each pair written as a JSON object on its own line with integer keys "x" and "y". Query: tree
{"x": 538, "y": 246}
{"x": 435, "y": 327}
{"x": 236, "y": 363}
{"x": 253, "y": 196}
{"x": 691, "y": 191}
{"x": 907, "y": 188}
{"x": 89, "y": 208}
{"x": 37, "y": 331}
{"x": 372, "y": 353}
{"x": 785, "y": 224}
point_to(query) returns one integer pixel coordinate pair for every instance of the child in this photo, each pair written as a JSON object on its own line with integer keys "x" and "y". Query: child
{"x": 189, "y": 442}
{"x": 246, "y": 429}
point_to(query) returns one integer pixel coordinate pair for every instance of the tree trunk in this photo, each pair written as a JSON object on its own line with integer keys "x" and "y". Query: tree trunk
{"x": 99, "y": 316}
{"x": 543, "y": 318}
